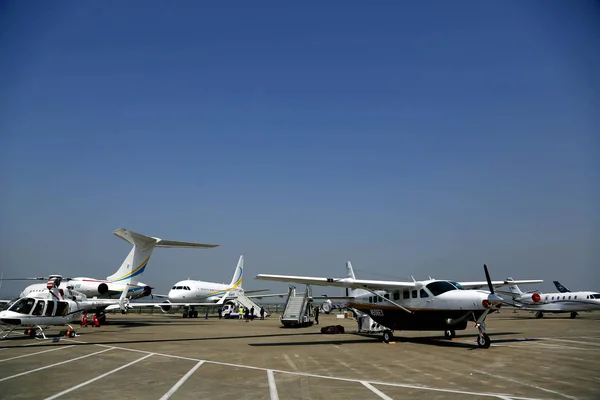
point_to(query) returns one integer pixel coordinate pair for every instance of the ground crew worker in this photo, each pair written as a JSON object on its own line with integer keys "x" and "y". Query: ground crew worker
{"x": 84, "y": 320}
{"x": 317, "y": 315}
{"x": 262, "y": 313}
{"x": 96, "y": 323}
{"x": 241, "y": 312}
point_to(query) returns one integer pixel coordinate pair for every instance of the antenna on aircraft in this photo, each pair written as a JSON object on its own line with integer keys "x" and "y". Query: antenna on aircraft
{"x": 413, "y": 278}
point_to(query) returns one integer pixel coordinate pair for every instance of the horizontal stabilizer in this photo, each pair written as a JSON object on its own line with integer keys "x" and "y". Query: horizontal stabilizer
{"x": 484, "y": 284}
{"x": 137, "y": 238}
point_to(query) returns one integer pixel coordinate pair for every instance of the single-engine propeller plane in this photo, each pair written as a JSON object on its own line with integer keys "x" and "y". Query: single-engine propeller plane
{"x": 429, "y": 305}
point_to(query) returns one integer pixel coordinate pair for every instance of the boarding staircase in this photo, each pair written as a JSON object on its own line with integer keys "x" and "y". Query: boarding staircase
{"x": 244, "y": 301}
{"x": 297, "y": 311}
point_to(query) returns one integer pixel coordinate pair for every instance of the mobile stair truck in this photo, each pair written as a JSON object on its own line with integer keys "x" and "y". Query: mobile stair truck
{"x": 298, "y": 310}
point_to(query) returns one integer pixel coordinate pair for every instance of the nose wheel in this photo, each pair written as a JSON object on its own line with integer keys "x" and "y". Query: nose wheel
{"x": 449, "y": 334}
{"x": 483, "y": 340}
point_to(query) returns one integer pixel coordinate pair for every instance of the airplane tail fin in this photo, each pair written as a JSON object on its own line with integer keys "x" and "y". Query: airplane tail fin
{"x": 350, "y": 274}
{"x": 135, "y": 263}
{"x": 514, "y": 289}
{"x": 560, "y": 287}
{"x": 238, "y": 274}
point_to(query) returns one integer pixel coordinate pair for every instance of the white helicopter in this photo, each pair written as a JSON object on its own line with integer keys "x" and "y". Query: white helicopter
{"x": 57, "y": 307}
{"x": 430, "y": 305}
{"x": 53, "y": 307}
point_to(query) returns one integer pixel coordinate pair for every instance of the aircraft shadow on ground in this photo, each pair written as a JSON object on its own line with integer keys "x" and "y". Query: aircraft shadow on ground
{"x": 121, "y": 342}
{"x": 430, "y": 340}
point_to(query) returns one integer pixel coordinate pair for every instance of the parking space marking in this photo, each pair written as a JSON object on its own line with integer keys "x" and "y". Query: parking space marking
{"x": 98, "y": 377}
{"x": 272, "y": 387}
{"x": 181, "y": 381}
{"x": 376, "y": 391}
{"x": 54, "y": 365}
{"x": 38, "y": 352}
{"x": 297, "y": 373}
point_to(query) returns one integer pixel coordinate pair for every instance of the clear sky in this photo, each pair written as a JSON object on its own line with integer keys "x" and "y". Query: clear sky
{"x": 412, "y": 138}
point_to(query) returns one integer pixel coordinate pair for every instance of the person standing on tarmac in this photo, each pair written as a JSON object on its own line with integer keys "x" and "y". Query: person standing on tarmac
{"x": 317, "y": 315}
{"x": 241, "y": 312}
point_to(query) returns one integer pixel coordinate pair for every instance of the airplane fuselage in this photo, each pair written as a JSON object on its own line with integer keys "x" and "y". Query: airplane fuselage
{"x": 430, "y": 310}
{"x": 92, "y": 288}
{"x": 558, "y": 302}
{"x": 189, "y": 291}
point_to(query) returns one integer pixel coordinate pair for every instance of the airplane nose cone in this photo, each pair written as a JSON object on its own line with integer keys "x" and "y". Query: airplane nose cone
{"x": 175, "y": 295}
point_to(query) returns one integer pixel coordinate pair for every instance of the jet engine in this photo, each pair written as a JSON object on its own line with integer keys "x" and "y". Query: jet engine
{"x": 531, "y": 298}
{"x": 326, "y": 306}
{"x": 147, "y": 291}
{"x": 166, "y": 307}
{"x": 102, "y": 288}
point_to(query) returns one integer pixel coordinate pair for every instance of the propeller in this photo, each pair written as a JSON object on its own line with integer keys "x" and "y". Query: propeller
{"x": 488, "y": 279}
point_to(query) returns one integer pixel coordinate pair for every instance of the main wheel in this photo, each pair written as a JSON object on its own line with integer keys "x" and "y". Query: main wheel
{"x": 484, "y": 341}
{"x": 539, "y": 314}
{"x": 573, "y": 314}
{"x": 449, "y": 334}
{"x": 388, "y": 336}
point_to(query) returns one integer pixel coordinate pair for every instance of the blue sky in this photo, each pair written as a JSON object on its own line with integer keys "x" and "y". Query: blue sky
{"x": 410, "y": 138}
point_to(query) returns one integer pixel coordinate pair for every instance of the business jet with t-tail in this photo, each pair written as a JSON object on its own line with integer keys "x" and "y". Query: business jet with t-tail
{"x": 429, "y": 305}
{"x": 128, "y": 273}
{"x": 556, "y": 303}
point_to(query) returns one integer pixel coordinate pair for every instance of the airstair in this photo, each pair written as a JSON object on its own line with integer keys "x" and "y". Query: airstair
{"x": 298, "y": 310}
{"x": 244, "y": 301}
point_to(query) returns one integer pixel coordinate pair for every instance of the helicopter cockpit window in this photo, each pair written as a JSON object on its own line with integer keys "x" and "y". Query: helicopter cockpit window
{"x": 39, "y": 308}
{"x": 439, "y": 287}
{"x": 9, "y": 304}
{"x": 23, "y": 306}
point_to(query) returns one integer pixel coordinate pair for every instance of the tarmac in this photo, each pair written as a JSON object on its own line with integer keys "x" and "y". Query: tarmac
{"x": 166, "y": 356}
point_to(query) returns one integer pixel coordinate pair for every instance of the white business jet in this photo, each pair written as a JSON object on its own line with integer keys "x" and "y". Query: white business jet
{"x": 429, "y": 305}
{"x": 128, "y": 273}
{"x": 190, "y": 294}
{"x": 561, "y": 302}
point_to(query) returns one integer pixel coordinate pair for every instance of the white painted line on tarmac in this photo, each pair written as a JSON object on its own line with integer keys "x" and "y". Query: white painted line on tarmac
{"x": 38, "y": 352}
{"x": 181, "y": 381}
{"x": 401, "y": 385}
{"x": 272, "y": 386}
{"x": 98, "y": 377}
{"x": 572, "y": 341}
{"x": 54, "y": 365}
{"x": 376, "y": 391}
{"x": 496, "y": 376}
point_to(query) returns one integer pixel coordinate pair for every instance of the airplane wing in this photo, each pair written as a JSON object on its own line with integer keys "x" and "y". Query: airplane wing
{"x": 484, "y": 285}
{"x": 260, "y": 296}
{"x": 255, "y": 291}
{"x": 339, "y": 282}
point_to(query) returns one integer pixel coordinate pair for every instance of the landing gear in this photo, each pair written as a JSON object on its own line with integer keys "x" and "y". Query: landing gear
{"x": 449, "y": 333}
{"x": 573, "y": 315}
{"x": 388, "y": 336}
{"x": 483, "y": 341}
{"x": 190, "y": 314}
{"x": 539, "y": 314}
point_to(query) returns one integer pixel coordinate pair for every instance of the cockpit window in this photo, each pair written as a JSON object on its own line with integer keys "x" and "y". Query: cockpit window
{"x": 458, "y": 285}
{"x": 174, "y": 287}
{"x": 23, "y": 306}
{"x": 595, "y": 296}
{"x": 439, "y": 287}
{"x": 9, "y": 304}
